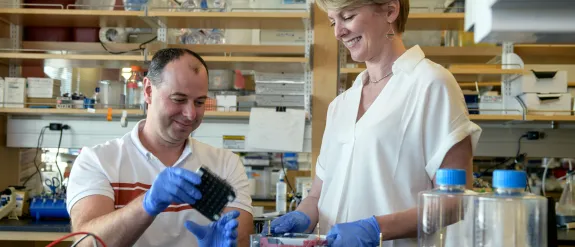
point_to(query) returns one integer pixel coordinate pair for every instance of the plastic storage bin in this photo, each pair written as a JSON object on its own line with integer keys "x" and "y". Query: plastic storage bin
{"x": 510, "y": 216}
{"x": 445, "y": 214}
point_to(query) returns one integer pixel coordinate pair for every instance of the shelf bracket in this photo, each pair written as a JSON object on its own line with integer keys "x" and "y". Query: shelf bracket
{"x": 308, "y": 67}
{"x": 15, "y": 40}
{"x": 523, "y": 106}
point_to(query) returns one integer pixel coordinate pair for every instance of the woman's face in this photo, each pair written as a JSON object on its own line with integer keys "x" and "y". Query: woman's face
{"x": 362, "y": 30}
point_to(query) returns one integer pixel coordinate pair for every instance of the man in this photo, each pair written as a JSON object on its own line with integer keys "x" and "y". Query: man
{"x": 137, "y": 190}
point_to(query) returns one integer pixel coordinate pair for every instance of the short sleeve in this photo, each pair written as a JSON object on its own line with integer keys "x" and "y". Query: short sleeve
{"x": 238, "y": 179}
{"x": 87, "y": 178}
{"x": 320, "y": 163}
{"x": 446, "y": 121}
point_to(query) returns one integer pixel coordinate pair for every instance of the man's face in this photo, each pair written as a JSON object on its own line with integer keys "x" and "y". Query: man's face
{"x": 177, "y": 103}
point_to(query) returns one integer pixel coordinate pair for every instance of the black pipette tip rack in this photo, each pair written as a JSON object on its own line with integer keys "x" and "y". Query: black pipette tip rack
{"x": 216, "y": 194}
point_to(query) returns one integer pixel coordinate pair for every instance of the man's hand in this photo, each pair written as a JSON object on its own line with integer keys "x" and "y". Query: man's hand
{"x": 292, "y": 222}
{"x": 222, "y": 233}
{"x": 173, "y": 185}
{"x": 358, "y": 233}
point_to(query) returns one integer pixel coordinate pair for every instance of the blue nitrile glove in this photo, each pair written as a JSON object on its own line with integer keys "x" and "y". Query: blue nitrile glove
{"x": 173, "y": 185}
{"x": 292, "y": 222}
{"x": 221, "y": 233}
{"x": 358, "y": 233}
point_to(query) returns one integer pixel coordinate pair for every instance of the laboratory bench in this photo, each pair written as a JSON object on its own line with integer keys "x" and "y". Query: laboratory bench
{"x": 28, "y": 233}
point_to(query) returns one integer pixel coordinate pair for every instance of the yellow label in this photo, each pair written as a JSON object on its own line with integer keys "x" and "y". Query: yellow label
{"x": 237, "y": 138}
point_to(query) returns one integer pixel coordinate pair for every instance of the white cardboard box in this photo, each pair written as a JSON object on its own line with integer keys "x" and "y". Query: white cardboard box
{"x": 546, "y": 104}
{"x": 14, "y": 92}
{"x": 227, "y": 102}
{"x": 541, "y": 82}
{"x": 1, "y": 92}
{"x": 43, "y": 87}
{"x": 491, "y": 105}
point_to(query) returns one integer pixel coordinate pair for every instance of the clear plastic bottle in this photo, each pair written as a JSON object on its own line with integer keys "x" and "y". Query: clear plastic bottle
{"x": 134, "y": 89}
{"x": 281, "y": 195}
{"x": 96, "y": 98}
{"x": 445, "y": 214}
{"x": 510, "y": 216}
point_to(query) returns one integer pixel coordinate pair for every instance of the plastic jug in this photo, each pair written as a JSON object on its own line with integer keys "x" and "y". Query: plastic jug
{"x": 510, "y": 216}
{"x": 445, "y": 214}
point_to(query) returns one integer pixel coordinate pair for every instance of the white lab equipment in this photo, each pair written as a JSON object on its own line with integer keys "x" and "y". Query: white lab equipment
{"x": 495, "y": 21}
{"x": 8, "y": 208}
{"x": 14, "y": 92}
{"x": 445, "y": 214}
{"x": 510, "y": 216}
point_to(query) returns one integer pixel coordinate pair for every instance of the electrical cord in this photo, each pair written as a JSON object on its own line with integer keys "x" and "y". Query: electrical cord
{"x": 56, "y": 160}
{"x": 285, "y": 173}
{"x": 57, "y": 241}
{"x": 40, "y": 140}
{"x": 140, "y": 48}
{"x": 518, "y": 157}
{"x": 94, "y": 240}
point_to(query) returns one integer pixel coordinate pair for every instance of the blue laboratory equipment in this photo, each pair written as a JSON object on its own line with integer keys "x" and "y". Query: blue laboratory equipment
{"x": 53, "y": 207}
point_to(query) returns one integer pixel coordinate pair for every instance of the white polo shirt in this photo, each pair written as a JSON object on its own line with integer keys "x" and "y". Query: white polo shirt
{"x": 123, "y": 169}
{"x": 379, "y": 164}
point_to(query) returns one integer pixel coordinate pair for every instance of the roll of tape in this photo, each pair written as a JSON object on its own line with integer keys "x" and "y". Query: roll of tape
{"x": 124, "y": 119}
{"x": 113, "y": 35}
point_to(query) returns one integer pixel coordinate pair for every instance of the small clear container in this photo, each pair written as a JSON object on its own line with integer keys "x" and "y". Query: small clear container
{"x": 445, "y": 214}
{"x": 510, "y": 216}
{"x": 134, "y": 5}
{"x": 134, "y": 89}
{"x": 288, "y": 240}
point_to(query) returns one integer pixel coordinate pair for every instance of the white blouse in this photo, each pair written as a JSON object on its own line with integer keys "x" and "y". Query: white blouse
{"x": 379, "y": 164}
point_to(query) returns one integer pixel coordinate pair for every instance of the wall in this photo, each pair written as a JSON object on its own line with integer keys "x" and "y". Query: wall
{"x": 24, "y": 132}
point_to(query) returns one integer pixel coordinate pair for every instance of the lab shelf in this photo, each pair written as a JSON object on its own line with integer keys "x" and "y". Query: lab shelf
{"x": 91, "y": 57}
{"x": 93, "y": 54}
{"x": 231, "y": 20}
{"x": 73, "y": 17}
{"x": 458, "y": 55}
{"x": 480, "y": 84}
{"x": 245, "y": 49}
{"x": 56, "y": 111}
{"x": 545, "y": 54}
{"x": 435, "y": 21}
{"x": 457, "y": 71}
{"x": 234, "y": 114}
{"x": 228, "y": 49}
{"x": 223, "y": 114}
{"x": 92, "y": 47}
{"x": 528, "y": 117}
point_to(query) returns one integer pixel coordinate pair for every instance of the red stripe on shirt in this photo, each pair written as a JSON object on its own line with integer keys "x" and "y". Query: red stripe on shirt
{"x": 124, "y": 193}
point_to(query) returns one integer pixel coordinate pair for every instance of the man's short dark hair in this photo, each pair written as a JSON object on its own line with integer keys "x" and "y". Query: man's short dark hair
{"x": 165, "y": 56}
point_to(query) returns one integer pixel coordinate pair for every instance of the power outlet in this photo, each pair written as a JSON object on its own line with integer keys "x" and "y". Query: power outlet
{"x": 58, "y": 126}
{"x": 535, "y": 135}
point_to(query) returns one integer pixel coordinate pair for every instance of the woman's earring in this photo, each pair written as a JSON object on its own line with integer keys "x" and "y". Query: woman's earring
{"x": 390, "y": 33}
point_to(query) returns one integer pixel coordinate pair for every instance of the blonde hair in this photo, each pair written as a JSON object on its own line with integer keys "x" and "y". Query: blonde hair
{"x": 343, "y": 4}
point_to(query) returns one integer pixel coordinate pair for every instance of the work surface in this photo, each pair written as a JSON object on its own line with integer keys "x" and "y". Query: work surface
{"x": 29, "y": 230}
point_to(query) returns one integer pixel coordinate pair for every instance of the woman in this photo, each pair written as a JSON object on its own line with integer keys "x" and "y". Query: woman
{"x": 403, "y": 119}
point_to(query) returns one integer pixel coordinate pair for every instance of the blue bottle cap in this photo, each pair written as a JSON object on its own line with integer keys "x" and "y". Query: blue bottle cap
{"x": 509, "y": 179}
{"x": 450, "y": 177}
